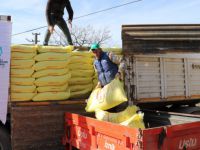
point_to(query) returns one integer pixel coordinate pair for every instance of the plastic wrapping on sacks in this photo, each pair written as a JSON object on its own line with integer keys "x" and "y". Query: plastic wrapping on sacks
{"x": 81, "y": 94}
{"x": 52, "y": 56}
{"x": 52, "y": 80}
{"x": 79, "y": 66}
{"x": 23, "y": 89}
{"x": 22, "y": 56}
{"x": 58, "y": 49}
{"x": 50, "y": 65}
{"x": 50, "y": 72}
{"x": 22, "y": 81}
{"x": 80, "y": 81}
{"x": 22, "y": 96}
{"x": 107, "y": 97}
{"x": 82, "y": 73}
{"x": 136, "y": 121}
{"x": 116, "y": 117}
{"x": 81, "y": 60}
{"x": 21, "y": 73}
{"x": 52, "y": 96}
{"x": 24, "y": 48}
{"x": 60, "y": 88}
{"x": 22, "y": 64}
{"x": 76, "y": 88}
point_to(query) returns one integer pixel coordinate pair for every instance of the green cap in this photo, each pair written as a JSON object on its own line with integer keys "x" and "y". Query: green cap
{"x": 94, "y": 46}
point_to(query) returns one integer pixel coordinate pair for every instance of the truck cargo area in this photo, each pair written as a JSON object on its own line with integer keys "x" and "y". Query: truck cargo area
{"x": 164, "y": 131}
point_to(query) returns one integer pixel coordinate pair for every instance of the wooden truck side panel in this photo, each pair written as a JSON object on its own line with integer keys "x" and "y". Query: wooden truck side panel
{"x": 40, "y": 125}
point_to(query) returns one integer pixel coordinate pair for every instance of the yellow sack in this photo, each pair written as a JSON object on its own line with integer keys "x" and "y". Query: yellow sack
{"x": 58, "y": 49}
{"x": 82, "y": 54}
{"x": 81, "y": 60}
{"x": 52, "y": 56}
{"x": 116, "y": 117}
{"x": 95, "y": 81}
{"x": 52, "y": 96}
{"x": 80, "y": 81}
{"x": 61, "y": 88}
{"x": 80, "y": 94}
{"x": 22, "y": 56}
{"x": 52, "y": 80}
{"x": 23, "y": 89}
{"x": 21, "y": 73}
{"x": 78, "y": 66}
{"x": 50, "y": 72}
{"x": 82, "y": 73}
{"x": 15, "y": 97}
{"x": 22, "y": 81}
{"x": 24, "y": 48}
{"x": 76, "y": 88}
{"x": 108, "y": 97}
{"x": 136, "y": 121}
{"x": 22, "y": 64}
{"x": 50, "y": 65}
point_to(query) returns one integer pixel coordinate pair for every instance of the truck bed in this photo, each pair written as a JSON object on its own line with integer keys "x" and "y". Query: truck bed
{"x": 165, "y": 131}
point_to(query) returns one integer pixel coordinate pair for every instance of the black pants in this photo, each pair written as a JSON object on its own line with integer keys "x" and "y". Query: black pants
{"x": 60, "y": 22}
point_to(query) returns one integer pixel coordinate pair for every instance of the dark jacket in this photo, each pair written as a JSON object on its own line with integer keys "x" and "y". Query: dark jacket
{"x": 56, "y": 8}
{"x": 106, "y": 69}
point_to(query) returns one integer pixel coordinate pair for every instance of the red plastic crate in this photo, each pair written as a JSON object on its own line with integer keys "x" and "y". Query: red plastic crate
{"x": 86, "y": 133}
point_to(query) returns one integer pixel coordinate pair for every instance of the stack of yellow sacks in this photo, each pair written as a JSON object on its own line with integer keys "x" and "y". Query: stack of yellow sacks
{"x": 82, "y": 72}
{"x": 52, "y": 73}
{"x": 22, "y": 82}
{"x": 110, "y": 96}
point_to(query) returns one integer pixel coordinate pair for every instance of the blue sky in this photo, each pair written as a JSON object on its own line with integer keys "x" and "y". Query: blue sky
{"x": 27, "y": 15}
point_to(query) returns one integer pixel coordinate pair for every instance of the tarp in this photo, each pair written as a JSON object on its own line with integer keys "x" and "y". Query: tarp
{"x": 5, "y": 42}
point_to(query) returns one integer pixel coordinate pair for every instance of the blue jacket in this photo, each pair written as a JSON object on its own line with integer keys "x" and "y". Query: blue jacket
{"x": 106, "y": 69}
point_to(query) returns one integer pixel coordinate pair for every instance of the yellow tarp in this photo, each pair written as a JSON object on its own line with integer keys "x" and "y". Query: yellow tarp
{"x": 108, "y": 97}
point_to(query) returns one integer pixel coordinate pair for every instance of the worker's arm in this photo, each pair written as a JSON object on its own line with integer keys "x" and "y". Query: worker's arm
{"x": 48, "y": 13}
{"x": 119, "y": 61}
{"x": 69, "y": 10}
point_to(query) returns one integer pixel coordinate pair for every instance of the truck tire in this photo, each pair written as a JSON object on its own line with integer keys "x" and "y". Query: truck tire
{"x": 5, "y": 142}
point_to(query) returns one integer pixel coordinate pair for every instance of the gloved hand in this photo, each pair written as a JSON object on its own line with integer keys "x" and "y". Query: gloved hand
{"x": 118, "y": 75}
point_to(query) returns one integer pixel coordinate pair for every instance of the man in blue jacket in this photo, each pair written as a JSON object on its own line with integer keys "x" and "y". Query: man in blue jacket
{"x": 54, "y": 15}
{"x": 107, "y": 65}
